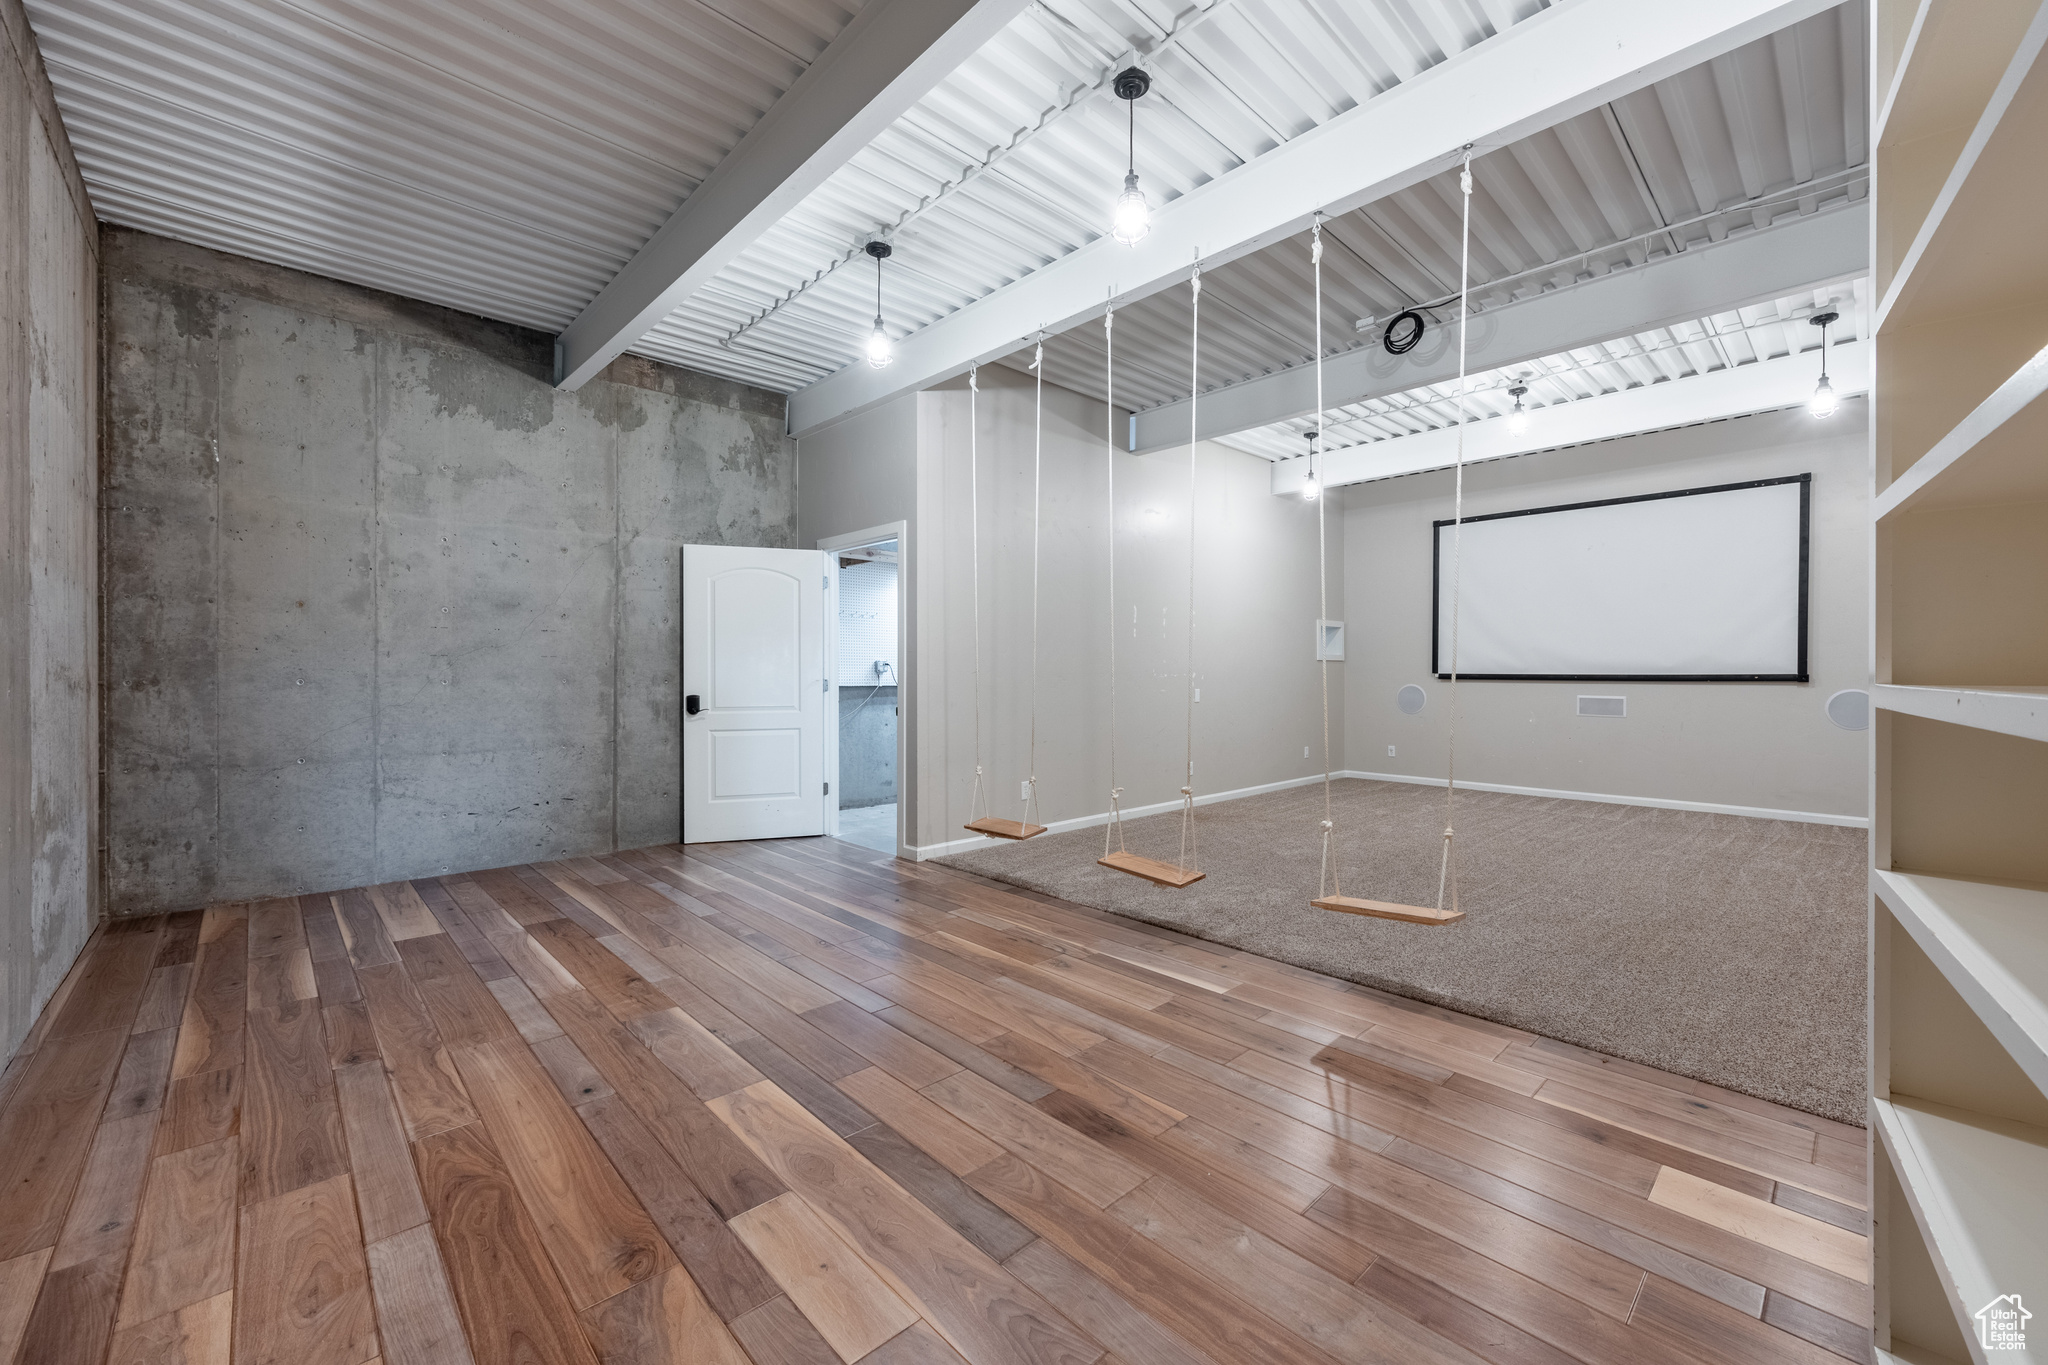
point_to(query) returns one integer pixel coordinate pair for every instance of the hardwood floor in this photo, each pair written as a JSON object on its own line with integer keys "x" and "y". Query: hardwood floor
{"x": 794, "y": 1103}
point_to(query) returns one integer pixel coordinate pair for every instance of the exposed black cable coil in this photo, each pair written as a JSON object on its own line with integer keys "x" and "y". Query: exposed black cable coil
{"x": 1397, "y": 341}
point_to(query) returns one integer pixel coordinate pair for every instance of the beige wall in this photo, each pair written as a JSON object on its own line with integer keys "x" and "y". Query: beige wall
{"x": 49, "y": 626}
{"x": 1254, "y": 583}
{"x": 1762, "y": 745}
{"x": 857, "y": 475}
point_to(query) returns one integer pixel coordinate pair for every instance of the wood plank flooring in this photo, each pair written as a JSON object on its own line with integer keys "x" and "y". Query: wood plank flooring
{"x": 795, "y": 1103}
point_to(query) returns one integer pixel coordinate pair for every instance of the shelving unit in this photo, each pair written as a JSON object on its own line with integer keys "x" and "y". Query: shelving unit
{"x": 1959, "y": 743}
{"x": 2021, "y": 711}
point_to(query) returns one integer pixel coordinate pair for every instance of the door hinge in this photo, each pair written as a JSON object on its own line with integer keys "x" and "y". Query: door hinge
{"x": 824, "y": 684}
{"x": 828, "y": 789}
{"x": 826, "y": 582}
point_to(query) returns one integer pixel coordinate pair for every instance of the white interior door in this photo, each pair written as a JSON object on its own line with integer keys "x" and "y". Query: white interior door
{"x": 755, "y": 684}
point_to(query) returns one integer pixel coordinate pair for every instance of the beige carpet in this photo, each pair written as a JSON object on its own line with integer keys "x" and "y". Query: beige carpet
{"x": 1723, "y": 948}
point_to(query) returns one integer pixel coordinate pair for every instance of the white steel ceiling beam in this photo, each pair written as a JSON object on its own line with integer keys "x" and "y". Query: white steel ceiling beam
{"x": 1553, "y": 66}
{"x": 1765, "y": 386}
{"x": 881, "y": 64}
{"x": 1812, "y": 252}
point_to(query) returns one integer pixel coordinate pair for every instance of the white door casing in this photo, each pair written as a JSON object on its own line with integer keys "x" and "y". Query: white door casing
{"x": 754, "y": 657}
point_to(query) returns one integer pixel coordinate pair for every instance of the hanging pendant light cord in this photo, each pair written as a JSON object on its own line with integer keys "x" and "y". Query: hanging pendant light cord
{"x": 1037, "y": 464}
{"x": 1116, "y": 793}
{"x": 1190, "y": 851}
{"x": 977, "y": 804}
{"x": 1447, "y": 869}
{"x": 1327, "y": 881}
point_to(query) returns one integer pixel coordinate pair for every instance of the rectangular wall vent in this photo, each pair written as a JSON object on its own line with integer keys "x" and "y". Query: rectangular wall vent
{"x": 1616, "y": 707}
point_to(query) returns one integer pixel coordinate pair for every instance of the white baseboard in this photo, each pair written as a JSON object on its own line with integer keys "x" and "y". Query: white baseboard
{"x": 1804, "y": 817}
{"x": 928, "y": 851}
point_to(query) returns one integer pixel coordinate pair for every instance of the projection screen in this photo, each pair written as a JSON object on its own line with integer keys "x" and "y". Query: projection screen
{"x": 1703, "y": 585}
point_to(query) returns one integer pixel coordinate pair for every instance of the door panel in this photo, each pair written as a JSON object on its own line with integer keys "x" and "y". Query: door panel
{"x": 756, "y": 639}
{"x": 747, "y": 763}
{"x": 754, "y": 657}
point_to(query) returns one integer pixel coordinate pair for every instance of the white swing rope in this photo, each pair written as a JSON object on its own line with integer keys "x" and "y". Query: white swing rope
{"x": 1328, "y": 882}
{"x": 1037, "y": 462}
{"x": 1116, "y": 793}
{"x": 1447, "y": 869}
{"x": 978, "y": 802}
{"x": 1190, "y": 850}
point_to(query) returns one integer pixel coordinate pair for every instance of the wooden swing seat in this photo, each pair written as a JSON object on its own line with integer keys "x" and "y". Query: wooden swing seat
{"x": 1407, "y": 914}
{"x": 1152, "y": 870}
{"x": 1003, "y": 829}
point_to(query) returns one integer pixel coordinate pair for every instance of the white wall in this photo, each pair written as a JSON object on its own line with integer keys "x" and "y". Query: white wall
{"x": 867, "y": 624}
{"x": 1754, "y": 745}
{"x": 1255, "y": 586}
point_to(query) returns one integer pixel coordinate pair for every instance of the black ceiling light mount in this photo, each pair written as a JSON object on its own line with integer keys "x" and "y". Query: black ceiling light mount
{"x": 1131, "y": 219}
{"x": 1823, "y": 402}
{"x": 880, "y": 351}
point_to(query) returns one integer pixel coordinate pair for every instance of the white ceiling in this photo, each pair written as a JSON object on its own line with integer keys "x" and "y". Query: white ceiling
{"x": 504, "y": 157}
{"x": 500, "y": 157}
{"x": 1725, "y": 341}
{"x": 1772, "y": 131}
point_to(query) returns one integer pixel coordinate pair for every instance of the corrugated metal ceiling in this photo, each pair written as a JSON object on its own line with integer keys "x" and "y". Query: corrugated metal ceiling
{"x": 1724, "y": 341}
{"x": 1770, "y": 131}
{"x": 506, "y": 157}
{"x": 1012, "y": 162}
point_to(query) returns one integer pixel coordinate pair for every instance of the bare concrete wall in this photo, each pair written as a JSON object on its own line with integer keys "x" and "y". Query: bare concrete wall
{"x": 48, "y": 413}
{"x": 381, "y": 602}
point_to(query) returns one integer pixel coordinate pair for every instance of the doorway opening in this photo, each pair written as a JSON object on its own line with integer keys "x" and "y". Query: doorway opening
{"x": 868, "y": 672}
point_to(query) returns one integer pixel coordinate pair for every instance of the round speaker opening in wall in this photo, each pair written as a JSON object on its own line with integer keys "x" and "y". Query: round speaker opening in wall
{"x": 1850, "y": 709}
{"x": 1411, "y": 699}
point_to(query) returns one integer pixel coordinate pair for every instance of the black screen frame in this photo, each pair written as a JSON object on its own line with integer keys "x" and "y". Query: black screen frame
{"x": 1805, "y": 482}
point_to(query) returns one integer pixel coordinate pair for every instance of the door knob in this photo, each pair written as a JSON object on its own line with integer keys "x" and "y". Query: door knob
{"x": 690, "y": 704}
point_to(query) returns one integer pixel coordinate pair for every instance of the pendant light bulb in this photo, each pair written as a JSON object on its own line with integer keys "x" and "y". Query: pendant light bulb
{"x": 1313, "y": 489}
{"x": 1518, "y": 419}
{"x": 1824, "y": 402}
{"x": 1131, "y": 218}
{"x": 880, "y": 350}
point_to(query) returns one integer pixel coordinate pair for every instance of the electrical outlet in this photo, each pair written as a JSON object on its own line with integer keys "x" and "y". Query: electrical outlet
{"x": 1198, "y": 694}
{"x": 1304, "y": 751}
{"x": 1024, "y": 790}
{"x": 1390, "y": 751}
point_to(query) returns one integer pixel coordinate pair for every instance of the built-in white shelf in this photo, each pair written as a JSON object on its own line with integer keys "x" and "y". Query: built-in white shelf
{"x": 1951, "y": 55}
{"x": 1990, "y": 940}
{"x": 1993, "y": 455}
{"x": 2021, "y": 711}
{"x": 1960, "y": 261}
{"x": 1979, "y": 1191}
{"x": 1902, "y": 1354}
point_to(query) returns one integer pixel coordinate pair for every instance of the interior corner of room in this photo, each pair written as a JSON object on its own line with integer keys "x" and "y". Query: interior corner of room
{"x": 963, "y": 681}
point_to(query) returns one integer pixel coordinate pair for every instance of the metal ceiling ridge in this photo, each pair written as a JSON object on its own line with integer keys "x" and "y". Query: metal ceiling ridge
{"x": 1081, "y": 94}
{"x": 1433, "y": 405}
{"x": 1805, "y": 189}
{"x": 1741, "y": 233}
